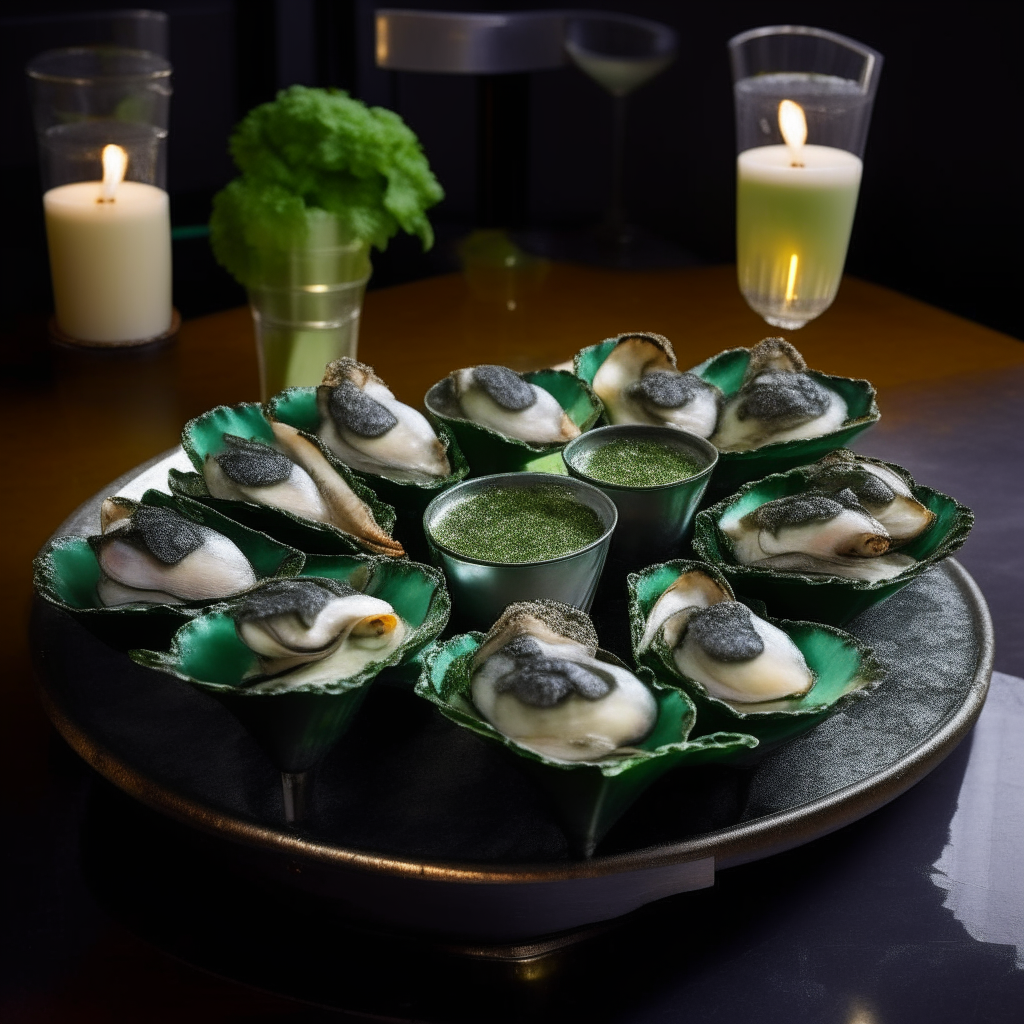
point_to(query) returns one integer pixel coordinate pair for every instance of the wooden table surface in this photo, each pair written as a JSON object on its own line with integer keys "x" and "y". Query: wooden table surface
{"x": 90, "y": 416}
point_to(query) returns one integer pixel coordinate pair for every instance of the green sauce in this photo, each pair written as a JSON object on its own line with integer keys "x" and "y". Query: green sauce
{"x": 518, "y": 524}
{"x": 638, "y": 462}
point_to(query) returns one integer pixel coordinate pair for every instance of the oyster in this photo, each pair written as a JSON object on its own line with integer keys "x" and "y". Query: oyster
{"x": 639, "y": 383}
{"x": 884, "y": 493}
{"x": 312, "y": 628}
{"x": 294, "y": 476}
{"x": 537, "y": 680}
{"x": 734, "y": 654}
{"x": 154, "y": 555}
{"x": 778, "y": 401}
{"x": 499, "y": 398}
{"x": 363, "y": 423}
{"x": 815, "y": 533}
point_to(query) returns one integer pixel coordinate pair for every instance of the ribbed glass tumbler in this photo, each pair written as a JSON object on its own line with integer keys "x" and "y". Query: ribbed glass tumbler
{"x": 306, "y": 313}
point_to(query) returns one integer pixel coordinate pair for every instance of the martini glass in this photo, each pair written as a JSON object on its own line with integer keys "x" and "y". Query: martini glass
{"x": 620, "y": 53}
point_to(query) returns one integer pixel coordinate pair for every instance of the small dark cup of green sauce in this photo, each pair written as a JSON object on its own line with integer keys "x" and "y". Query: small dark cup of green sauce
{"x": 656, "y": 477}
{"x": 519, "y": 537}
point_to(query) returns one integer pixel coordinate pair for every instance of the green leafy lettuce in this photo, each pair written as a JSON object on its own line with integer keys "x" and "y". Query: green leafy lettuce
{"x": 316, "y": 150}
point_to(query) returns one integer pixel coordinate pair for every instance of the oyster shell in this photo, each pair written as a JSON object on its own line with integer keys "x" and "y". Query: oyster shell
{"x": 639, "y": 383}
{"x": 536, "y": 679}
{"x": 816, "y": 533}
{"x": 312, "y": 628}
{"x": 293, "y": 475}
{"x": 499, "y": 398}
{"x": 778, "y": 401}
{"x": 154, "y": 555}
{"x": 368, "y": 429}
{"x": 734, "y": 654}
{"x": 882, "y": 492}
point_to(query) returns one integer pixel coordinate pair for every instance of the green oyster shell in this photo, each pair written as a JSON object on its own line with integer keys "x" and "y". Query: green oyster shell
{"x": 298, "y": 726}
{"x": 488, "y": 451}
{"x": 822, "y": 598}
{"x": 298, "y": 408}
{"x": 204, "y": 435}
{"x": 844, "y": 669}
{"x": 589, "y": 796}
{"x": 734, "y": 469}
{"x": 66, "y": 572}
{"x": 726, "y": 371}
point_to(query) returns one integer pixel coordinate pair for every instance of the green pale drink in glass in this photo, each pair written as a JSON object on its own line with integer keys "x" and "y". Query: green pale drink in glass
{"x": 793, "y": 228}
{"x": 306, "y": 310}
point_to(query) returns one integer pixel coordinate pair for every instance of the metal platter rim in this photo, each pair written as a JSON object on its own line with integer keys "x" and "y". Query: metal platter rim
{"x": 730, "y": 847}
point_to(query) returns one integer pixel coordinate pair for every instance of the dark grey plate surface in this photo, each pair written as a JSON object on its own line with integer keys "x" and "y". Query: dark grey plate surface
{"x": 418, "y": 824}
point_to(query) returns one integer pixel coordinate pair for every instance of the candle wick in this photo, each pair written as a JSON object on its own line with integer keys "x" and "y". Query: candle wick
{"x": 797, "y": 163}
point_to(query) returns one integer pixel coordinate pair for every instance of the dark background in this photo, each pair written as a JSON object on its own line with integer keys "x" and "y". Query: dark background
{"x": 940, "y": 209}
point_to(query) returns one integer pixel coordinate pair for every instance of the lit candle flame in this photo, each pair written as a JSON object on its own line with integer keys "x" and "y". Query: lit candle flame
{"x": 791, "y": 280}
{"x": 793, "y": 125}
{"x": 115, "y": 163}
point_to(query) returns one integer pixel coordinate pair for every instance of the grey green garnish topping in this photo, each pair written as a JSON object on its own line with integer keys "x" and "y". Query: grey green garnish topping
{"x": 505, "y": 387}
{"x": 165, "y": 534}
{"x": 799, "y": 509}
{"x": 252, "y": 463}
{"x": 353, "y": 408}
{"x": 666, "y": 389}
{"x": 562, "y": 619}
{"x": 305, "y": 597}
{"x": 542, "y": 681}
{"x": 866, "y": 486}
{"x": 518, "y": 524}
{"x": 637, "y": 462}
{"x": 725, "y": 631}
{"x": 782, "y": 396}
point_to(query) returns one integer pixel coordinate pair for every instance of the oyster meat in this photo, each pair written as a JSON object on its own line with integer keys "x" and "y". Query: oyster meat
{"x": 153, "y": 555}
{"x": 311, "y": 629}
{"x": 779, "y": 401}
{"x": 294, "y": 475}
{"x": 639, "y": 383}
{"x": 363, "y": 423}
{"x": 537, "y": 680}
{"x": 885, "y": 494}
{"x": 734, "y": 654}
{"x": 499, "y": 398}
{"x": 815, "y": 533}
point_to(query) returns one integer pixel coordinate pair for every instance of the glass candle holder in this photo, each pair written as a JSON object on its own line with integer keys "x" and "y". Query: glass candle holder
{"x": 803, "y": 105}
{"x": 87, "y": 97}
{"x": 101, "y": 123}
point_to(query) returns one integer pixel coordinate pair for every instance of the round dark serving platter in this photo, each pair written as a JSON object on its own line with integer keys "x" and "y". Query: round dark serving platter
{"x": 416, "y": 824}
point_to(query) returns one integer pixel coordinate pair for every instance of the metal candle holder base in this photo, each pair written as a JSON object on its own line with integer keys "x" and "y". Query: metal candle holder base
{"x": 66, "y": 339}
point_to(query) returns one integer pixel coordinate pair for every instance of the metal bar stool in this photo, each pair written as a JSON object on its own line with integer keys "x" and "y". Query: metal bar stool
{"x": 502, "y": 50}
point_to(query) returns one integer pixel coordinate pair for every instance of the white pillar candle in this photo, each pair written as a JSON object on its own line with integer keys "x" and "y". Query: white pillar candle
{"x": 110, "y": 258}
{"x": 794, "y": 211}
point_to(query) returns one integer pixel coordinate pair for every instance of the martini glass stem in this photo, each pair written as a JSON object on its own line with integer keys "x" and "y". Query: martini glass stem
{"x": 294, "y": 791}
{"x": 616, "y": 206}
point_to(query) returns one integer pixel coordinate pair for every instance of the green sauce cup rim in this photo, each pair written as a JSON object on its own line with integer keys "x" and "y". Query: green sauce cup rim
{"x": 450, "y": 496}
{"x": 592, "y": 439}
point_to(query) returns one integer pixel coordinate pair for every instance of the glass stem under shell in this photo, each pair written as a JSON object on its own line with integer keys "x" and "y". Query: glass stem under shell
{"x": 293, "y": 790}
